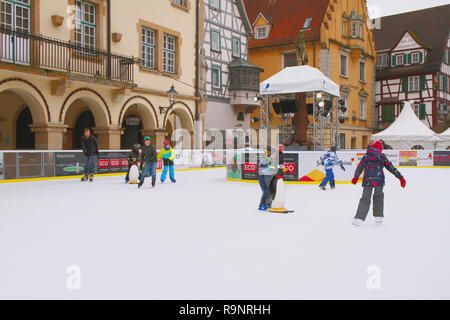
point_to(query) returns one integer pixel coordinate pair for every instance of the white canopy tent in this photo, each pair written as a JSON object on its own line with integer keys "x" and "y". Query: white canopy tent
{"x": 408, "y": 131}
{"x": 445, "y": 136}
{"x": 298, "y": 79}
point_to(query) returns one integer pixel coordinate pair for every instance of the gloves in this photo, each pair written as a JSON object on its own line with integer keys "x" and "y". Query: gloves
{"x": 355, "y": 180}
{"x": 343, "y": 168}
{"x": 402, "y": 182}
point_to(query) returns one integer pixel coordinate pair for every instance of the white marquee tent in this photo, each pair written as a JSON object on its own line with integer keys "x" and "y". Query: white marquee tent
{"x": 408, "y": 131}
{"x": 298, "y": 79}
{"x": 446, "y": 137}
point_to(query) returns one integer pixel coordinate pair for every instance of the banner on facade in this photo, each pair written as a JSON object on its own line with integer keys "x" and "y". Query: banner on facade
{"x": 441, "y": 158}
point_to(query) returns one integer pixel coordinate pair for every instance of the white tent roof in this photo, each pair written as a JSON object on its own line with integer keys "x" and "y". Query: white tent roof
{"x": 446, "y": 137}
{"x": 445, "y": 134}
{"x": 298, "y": 79}
{"x": 407, "y": 131}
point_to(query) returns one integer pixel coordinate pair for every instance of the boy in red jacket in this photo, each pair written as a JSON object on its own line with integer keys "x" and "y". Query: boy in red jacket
{"x": 373, "y": 163}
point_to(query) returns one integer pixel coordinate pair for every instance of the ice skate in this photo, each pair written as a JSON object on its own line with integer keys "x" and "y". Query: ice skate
{"x": 140, "y": 184}
{"x": 357, "y": 222}
{"x": 378, "y": 219}
{"x": 153, "y": 183}
{"x": 263, "y": 208}
{"x": 173, "y": 180}
{"x": 91, "y": 178}
{"x": 85, "y": 178}
{"x": 322, "y": 187}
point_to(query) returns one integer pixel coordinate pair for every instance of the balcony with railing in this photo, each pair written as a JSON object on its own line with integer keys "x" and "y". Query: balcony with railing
{"x": 37, "y": 51}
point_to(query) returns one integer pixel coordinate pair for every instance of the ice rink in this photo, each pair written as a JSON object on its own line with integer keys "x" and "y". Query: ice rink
{"x": 203, "y": 238}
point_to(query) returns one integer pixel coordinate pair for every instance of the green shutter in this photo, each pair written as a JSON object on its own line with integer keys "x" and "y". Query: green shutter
{"x": 423, "y": 83}
{"x": 421, "y": 57}
{"x": 409, "y": 58}
{"x": 445, "y": 107}
{"x": 393, "y": 61}
{"x": 445, "y": 84}
{"x": 422, "y": 113}
{"x": 388, "y": 113}
{"x": 405, "y": 84}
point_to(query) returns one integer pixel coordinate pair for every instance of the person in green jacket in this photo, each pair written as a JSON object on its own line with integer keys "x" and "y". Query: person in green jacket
{"x": 148, "y": 162}
{"x": 167, "y": 155}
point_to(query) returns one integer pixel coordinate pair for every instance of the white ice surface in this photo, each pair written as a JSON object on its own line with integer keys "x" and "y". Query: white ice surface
{"x": 202, "y": 238}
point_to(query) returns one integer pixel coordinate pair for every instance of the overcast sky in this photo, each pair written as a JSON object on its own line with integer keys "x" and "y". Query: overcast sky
{"x": 383, "y": 8}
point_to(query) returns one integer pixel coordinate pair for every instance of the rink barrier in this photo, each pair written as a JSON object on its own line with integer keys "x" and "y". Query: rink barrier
{"x": 97, "y": 175}
{"x": 304, "y": 167}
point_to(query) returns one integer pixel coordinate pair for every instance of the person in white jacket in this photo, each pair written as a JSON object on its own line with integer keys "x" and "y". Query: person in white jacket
{"x": 330, "y": 159}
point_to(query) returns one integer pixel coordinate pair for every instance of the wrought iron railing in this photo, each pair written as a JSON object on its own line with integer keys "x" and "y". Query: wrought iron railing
{"x": 43, "y": 52}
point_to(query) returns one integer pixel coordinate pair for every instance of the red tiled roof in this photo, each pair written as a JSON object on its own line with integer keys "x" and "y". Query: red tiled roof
{"x": 287, "y": 18}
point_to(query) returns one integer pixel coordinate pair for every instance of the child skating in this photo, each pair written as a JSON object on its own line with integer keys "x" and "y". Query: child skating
{"x": 329, "y": 160}
{"x": 133, "y": 159}
{"x": 266, "y": 172}
{"x": 167, "y": 155}
{"x": 148, "y": 162}
{"x": 373, "y": 163}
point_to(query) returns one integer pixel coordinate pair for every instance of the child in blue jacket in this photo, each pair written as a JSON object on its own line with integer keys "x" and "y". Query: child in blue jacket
{"x": 329, "y": 159}
{"x": 167, "y": 155}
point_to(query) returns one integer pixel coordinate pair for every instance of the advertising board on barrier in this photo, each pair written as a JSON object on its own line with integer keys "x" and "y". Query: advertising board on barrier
{"x": 250, "y": 167}
{"x": 69, "y": 163}
{"x": 2, "y": 168}
{"x": 290, "y": 161}
{"x": 112, "y": 162}
{"x": 393, "y": 156}
{"x": 425, "y": 158}
{"x": 441, "y": 158}
{"x": 408, "y": 158}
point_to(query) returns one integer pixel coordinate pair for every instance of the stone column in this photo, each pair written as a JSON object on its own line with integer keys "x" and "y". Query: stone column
{"x": 157, "y": 136}
{"x": 108, "y": 138}
{"x": 48, "y": 136}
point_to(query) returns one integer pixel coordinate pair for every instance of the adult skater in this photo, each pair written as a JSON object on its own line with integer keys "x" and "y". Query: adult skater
{"x": 329, "y": 159}
{"x": 266, "y": 172}
{"x": 149, "y": 162}
{"x": 89, "y": 146}
{"x": 133, "y": 159}
{"x": 372, "y": 163}
{"x": 168, "y": 155}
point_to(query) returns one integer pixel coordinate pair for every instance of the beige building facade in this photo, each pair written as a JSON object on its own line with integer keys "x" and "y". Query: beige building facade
{"x": 106, "y": 65}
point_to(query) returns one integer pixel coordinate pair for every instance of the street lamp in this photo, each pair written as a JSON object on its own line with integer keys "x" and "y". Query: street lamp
{"x": 172, "y": 94}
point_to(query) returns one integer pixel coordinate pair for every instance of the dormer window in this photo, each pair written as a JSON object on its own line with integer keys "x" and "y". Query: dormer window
{"x": 415, "y": 57}
{"x": 261, "y": 32}
{"x": 307, "y": 23}
{"x": 399, "y": 59}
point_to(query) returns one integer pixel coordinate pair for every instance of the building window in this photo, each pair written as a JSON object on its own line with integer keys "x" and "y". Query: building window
{"x": 415, "y": 107}
{"x": 236, "y": 47}
{"x": 181, "y": 3}
{"x": 399, "y": 59}
{"x": 148, "y": 48}
{"x": 344, "y": 65}
{"x": 289, "y": 60}
{"x": 214, "y": 3}
{"x": 15, "y": 15}
{"x": 357, "y": 29}
{"x": 169, "y": 61}
{"x": 216, "y": 77}
{"x": 362, "y": 109}
{"x": 362, "y": 71}
{"x": 307, "y": 23}
{"x": 344, "y": 24}
{"x": 346, "y": 99}
{"x": 415, "y": 57}
{"x": 215, "y": 41}
{"x": 261, "y": 32}
{"x": 382, "y": 59}
{"x": 413, "y": 83}
{"x": 85, "y": 24}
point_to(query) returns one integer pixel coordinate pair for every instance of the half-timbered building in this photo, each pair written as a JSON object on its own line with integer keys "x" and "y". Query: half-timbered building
{"x": 413, "y": 64}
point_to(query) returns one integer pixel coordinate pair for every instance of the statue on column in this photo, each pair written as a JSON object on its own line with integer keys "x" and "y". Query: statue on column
{"x": 300, "y": 121}
{"x": 203, "y": 73}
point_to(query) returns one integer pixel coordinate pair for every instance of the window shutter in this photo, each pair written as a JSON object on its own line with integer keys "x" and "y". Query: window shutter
{"x": 405, "y": 84}
{"x": 445, "y": 107}
{"x": 421, "y": 57}
{"x": 405, "y": 58}
{"x": 445, "y": 84}
{"x": 388, "y": 113}
{"x": 409, "y": 58}
{"x": 422, "y": 114}
{"x": 423, "y": 83}
{"x": 393, "y": 61}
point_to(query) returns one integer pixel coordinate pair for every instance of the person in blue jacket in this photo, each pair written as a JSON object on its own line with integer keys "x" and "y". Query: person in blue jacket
{"x": 329, "y": 160}
{"x": 167, "y": 155}
{"x": 266, "y": 171}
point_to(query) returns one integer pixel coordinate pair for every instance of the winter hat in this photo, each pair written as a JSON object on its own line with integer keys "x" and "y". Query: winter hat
{"x": 165, "y": 143}
{"x": 378, "y": 145}
{"x": 147, "y": 138}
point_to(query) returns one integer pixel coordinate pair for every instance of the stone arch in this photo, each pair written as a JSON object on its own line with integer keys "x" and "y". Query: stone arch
{"x": 93, "y": 100}
{"x": 146, "y": 112}
{"x": 185, "y": 114}
{"x": 31, "y": 96}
